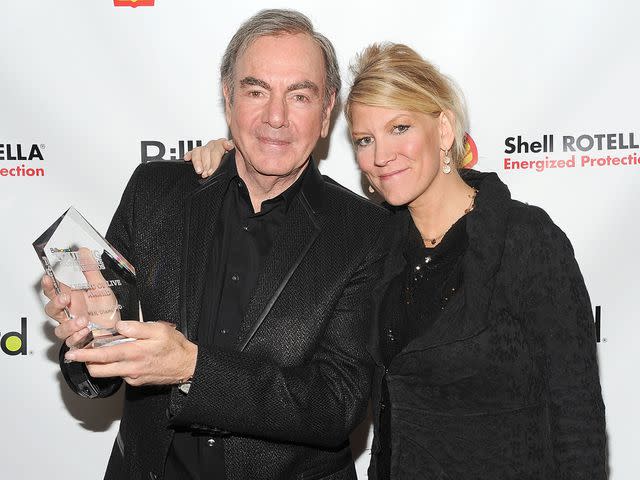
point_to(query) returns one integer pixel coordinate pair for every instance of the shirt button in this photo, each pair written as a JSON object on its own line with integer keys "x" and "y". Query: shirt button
{"x": 245, "y": 228}
{"x": 224, "y": 331}
{"x": 211, "y": 442}
{"x": 235, "y": 277}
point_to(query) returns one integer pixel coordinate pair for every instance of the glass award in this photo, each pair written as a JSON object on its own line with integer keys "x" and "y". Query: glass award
{"x": 99, "y": 280}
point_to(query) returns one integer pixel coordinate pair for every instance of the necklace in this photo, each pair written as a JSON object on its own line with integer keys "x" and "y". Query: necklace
{"x": 472, "y": 204}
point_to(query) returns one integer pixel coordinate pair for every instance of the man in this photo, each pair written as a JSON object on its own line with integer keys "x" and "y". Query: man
{"x": 263, "y": 270}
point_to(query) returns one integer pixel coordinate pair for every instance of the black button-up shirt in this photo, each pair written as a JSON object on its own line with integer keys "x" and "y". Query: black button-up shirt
{"x": 242, "y": 240}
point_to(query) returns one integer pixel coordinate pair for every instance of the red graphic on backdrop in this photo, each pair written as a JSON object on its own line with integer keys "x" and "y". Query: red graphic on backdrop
{"x": 133, "y": 3}
{"x": 470, "y": 152}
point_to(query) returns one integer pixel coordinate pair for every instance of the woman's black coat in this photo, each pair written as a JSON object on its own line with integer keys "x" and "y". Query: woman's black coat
{"x": 504, "y": 385}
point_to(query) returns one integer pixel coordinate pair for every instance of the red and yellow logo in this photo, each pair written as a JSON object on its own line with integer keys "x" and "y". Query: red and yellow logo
{"x": 470, "y": 152}
{"x": 133, "y": 3}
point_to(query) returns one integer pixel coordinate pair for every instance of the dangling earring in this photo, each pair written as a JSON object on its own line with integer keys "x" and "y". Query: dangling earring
{"x": 371, "y": 190}
{"x": 446, "y": 168}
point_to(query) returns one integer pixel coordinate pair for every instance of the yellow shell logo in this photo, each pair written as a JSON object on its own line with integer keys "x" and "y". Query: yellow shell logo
{"x": 470, "y": 152}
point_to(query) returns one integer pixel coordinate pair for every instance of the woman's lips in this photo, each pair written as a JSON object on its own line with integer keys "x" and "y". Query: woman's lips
{"x": 390, "y": 175}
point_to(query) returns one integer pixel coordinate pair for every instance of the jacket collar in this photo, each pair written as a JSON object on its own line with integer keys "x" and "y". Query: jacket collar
{"x": 486, "y": 228}
{"x": 312, "y": 187}
{"x": 466, "y": 314}
{"x": 299, "y": 231}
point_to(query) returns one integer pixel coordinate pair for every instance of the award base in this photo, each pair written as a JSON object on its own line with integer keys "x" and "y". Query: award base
{"x": 104, "y": 337}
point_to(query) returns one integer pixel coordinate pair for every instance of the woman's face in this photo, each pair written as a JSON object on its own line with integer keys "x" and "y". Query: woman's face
{"x": 398, "y": 150}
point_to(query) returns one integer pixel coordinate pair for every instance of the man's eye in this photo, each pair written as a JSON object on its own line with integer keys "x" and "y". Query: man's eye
{"x": 255, "y": 93}
{"x": 363, "y": 141}
{"x": 300, "y": 98}
{"x": 399, "y": 129}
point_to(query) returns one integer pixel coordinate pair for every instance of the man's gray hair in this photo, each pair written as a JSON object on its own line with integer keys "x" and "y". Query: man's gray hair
{"x": 275, "y": 22}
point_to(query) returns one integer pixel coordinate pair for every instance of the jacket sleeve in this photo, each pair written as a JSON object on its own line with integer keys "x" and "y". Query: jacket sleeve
{"x": 557, "y": 309}
{"x": 120, "y": 235}
{"x": 318, "y": 403}
{"x": 82, "y": 383}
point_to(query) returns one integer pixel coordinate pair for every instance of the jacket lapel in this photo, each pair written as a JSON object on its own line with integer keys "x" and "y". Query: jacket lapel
{"x": 394, "y": 265}
{"x": 467, "y": 313}
{"x": 298, "y": 232}
{"x": 202, "y": 209}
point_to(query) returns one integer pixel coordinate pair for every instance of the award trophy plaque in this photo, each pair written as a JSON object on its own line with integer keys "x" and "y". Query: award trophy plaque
{"x": 99, "y": 280}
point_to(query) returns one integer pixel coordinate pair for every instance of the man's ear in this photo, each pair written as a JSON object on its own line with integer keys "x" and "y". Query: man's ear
{"x": 446, "y": 122}
{"x": 227, "y": 103}
{"x": 326, "y": 116}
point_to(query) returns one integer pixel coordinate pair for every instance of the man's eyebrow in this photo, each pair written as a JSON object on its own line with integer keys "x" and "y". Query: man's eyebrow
{"x": 304, "y": 85}
{"x": 254, "y": 82}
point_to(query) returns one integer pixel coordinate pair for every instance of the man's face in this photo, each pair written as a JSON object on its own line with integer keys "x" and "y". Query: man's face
{"x": 276, "y": 115}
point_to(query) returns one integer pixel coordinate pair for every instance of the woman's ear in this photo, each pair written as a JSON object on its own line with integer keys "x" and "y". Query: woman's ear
{"x": 446, "y": 122}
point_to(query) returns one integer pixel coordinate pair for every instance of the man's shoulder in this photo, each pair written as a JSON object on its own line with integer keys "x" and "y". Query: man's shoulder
{"x": 160, "y": 177}
{"x": 167, "y": 169}
{"x": 340, "y": 197}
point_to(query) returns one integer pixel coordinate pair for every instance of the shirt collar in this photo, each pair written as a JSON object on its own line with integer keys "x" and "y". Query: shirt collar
{"x": 310, "y": 184}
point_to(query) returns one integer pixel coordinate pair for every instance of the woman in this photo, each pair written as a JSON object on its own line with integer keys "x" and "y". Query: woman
{"x": 482, "y": 328}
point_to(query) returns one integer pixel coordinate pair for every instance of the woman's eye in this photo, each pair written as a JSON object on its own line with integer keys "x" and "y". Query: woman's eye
{"x": 398, "y": 129}
{"x": 363, "y": 141}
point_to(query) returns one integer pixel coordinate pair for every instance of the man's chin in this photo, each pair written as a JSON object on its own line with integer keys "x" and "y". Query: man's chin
{"x": 277, "y": 166}
{"x": 276, "y": 172}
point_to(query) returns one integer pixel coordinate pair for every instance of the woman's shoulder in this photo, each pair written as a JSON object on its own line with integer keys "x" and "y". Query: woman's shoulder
{"x": 500, "y": 214}
{"x": 531, "y": 229}
{"x": 527, "y": 215}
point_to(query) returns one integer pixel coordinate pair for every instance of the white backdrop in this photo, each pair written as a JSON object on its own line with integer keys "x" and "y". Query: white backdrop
{"x": 82, "y": 84}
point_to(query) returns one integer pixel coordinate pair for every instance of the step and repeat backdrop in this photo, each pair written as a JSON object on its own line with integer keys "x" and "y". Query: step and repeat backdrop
{"x": 88, "y": 90}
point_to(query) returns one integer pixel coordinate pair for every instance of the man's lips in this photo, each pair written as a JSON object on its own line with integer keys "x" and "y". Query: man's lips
{"x": 276, "y": 142}
{"x": 390, "y": 175}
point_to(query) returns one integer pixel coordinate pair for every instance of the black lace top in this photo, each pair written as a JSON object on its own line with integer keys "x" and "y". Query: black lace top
{"x": 414, "y": 300}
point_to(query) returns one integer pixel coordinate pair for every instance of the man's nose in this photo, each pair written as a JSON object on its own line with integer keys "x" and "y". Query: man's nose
{"x": 276, "y": 114}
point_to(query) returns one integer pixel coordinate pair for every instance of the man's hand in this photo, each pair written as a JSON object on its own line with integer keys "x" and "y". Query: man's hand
{"x": 69, "y": 330}
{"x": 160, "y": 356}
{"x": 206, "y": 159}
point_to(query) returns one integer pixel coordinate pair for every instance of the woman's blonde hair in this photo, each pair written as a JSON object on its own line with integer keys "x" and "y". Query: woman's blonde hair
{"x": 392, "y": 75}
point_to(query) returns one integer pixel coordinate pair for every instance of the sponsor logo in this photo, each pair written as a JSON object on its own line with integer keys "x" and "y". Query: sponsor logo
{"x": 15, "y": 343}
{"x": 21, "y": 160}
{"x": 471, "y": 152}
{"x": 153, "y": 150}
{"x": 133, "y": 3}
{"x": 600, "y": 150}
